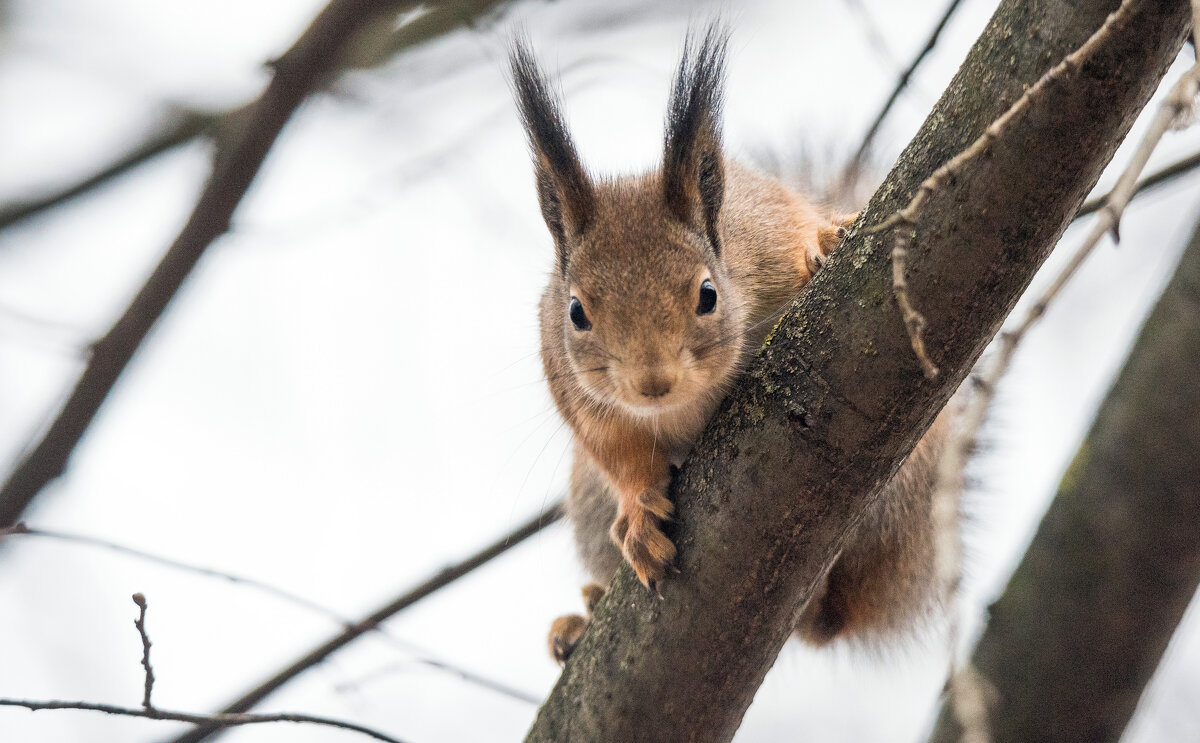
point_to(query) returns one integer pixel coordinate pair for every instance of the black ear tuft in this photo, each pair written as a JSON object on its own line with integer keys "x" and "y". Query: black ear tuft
{"x": 564, "y": 190}
{"x": 693, "y": 166}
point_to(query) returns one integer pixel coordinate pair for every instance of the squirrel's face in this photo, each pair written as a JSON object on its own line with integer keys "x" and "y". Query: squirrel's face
{"x": 649, "y": 318}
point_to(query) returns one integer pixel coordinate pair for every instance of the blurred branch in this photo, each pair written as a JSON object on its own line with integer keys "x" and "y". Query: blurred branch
{"x": 442, "y": 579}
{"x": 377, "y": 44}
{"x": 151, "y": 712}
{"x": 210, "y": 721}
{"x": 869, "y": 138}
{"x": 382, "y": 43}
{"x": 417, "y": 654}
{"x": 181, "y": 129}
{"x": 1089, "y": 612}
{"x": 241, "y": 150}
{"x": 874, "y": 36}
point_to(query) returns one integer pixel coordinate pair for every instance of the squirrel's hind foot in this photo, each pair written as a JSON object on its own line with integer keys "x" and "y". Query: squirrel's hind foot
{"x": 566, "y": 631}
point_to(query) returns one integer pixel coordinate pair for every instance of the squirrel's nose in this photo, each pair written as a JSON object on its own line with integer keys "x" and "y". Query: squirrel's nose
{"x": 655, "y": 384}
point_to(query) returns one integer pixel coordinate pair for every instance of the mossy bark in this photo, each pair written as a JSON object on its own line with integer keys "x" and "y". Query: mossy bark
{"x": 836, "y": 398}
{"x": 1090, "y": 610}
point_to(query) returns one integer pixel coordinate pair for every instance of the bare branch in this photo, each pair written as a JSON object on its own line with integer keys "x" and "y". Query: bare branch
{"x": 1150, "y": 182}
{"x": 140, "y": 623}
{"x": 319, "y": 53}
{"x": 181, "y": 129}
{"x": 212, "y": 721}
{"x": 393, "y": 607}
{"x": 901, "y": 84}
{"x": 414, "y": 651}
{"x": 953, "y": 463}
{"x": 904, "y": 221}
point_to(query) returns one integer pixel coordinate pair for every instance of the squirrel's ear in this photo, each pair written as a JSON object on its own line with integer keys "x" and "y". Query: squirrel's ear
{"x": 693, "y": 166}
{"x": 566, "y": 194}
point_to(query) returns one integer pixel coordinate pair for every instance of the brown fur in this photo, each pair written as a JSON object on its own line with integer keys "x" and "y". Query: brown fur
{"x": 639, "y": 379}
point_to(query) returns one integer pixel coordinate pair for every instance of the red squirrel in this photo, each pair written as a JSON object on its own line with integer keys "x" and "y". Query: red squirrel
{"x": 664, "y": 285}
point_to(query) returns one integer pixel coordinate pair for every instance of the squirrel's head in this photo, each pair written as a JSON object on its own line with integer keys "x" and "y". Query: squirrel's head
{"x": 649, "y": 317}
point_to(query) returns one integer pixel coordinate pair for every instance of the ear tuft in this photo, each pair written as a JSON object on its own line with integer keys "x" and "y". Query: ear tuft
{"x": 693, "y": 165}
{"x": 564, "y": 190}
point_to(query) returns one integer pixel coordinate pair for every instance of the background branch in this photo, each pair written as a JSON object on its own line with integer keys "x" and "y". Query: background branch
{"x": 836, "y": 400}
{"x": 179, "y": 130}
{"x": 388, "y": 610}
{"x": 415, "y": 653}
{"x": 1090, "y": 610}
{"x": 215, "y": 721}
{"x": 864, "y": 148}
{"x": 298, "y": 72}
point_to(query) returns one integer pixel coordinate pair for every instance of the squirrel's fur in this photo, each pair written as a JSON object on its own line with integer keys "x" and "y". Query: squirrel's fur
{"x": 637, "y": 362}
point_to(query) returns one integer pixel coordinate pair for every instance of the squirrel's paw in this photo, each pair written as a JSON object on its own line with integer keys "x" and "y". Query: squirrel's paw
{"x": 828, "y": 238}
{"x": 566, "y": 630}
{"x": 647, "y": 550}
{"x": 564, "y": 635}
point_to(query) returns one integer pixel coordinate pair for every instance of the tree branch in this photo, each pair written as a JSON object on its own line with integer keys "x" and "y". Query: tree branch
{"x": 393, "y": 607}
{"x": 901, "y": 84}
{"x": 212, "y": 721}
{"x": 415, "y": 653}
{"x": 836, "y": 400}
{"x": 1089, "y": 612}
{"x": 181, "y": 129}
{"x": 302, "y": 69}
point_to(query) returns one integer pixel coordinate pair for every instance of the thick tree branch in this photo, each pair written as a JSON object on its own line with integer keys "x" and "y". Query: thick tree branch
{"x": 836, "y": 399}
{"x": 1090, "y": 610}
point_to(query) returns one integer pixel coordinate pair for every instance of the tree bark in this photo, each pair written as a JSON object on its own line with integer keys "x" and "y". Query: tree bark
{"x": 836, "y": 398}
{"x": 1090, "y": 610}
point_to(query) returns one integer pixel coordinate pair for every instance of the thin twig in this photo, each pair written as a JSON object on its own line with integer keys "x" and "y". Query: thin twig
{"x": 140, "y": 623}
{"x": 435, "y": 583}
{"x": 214, "y": 721}
{"x": 904, "y": 221}
{"x": 901, "y": 85}
{"x": 414, "y": 651}
{"x": 1155, "y": 179}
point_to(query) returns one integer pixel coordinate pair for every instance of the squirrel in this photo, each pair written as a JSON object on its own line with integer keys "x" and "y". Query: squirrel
{"x": 664, "y": 285}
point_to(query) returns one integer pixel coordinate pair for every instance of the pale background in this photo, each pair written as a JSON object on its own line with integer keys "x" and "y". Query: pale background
{"x": 346, "y": 394}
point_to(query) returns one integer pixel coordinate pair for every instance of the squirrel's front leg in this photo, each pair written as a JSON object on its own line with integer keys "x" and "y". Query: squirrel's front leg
{"x": 640, "y": 471}
{"x": 638, "y": 533}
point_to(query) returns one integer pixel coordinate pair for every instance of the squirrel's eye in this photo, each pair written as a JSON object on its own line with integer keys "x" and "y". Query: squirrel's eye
{"x": 577, "y": 315}
{"x": 708, "y": 298}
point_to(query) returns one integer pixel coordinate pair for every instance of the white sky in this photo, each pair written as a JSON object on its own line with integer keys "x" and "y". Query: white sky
{"x": 346, "y": 394}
